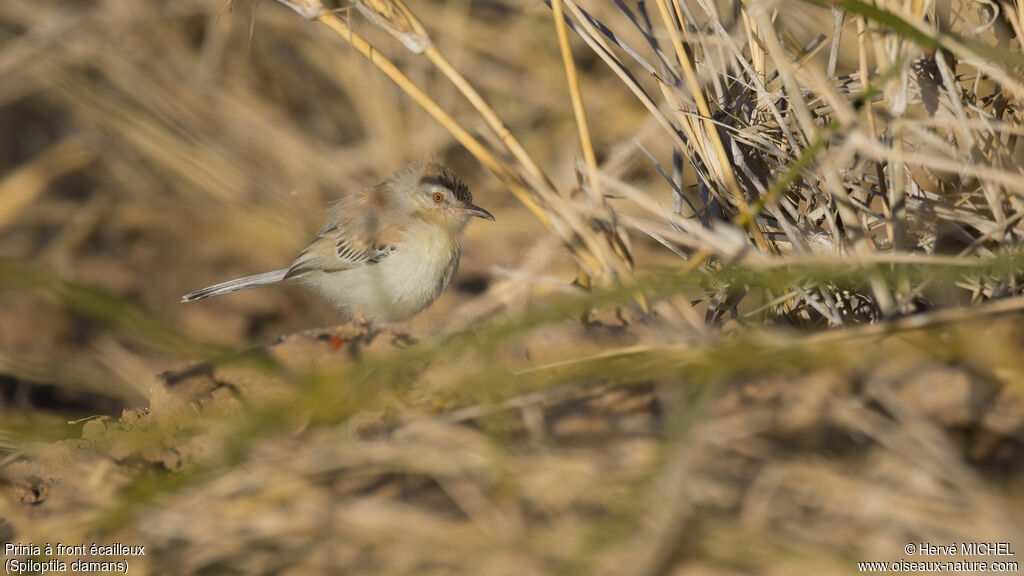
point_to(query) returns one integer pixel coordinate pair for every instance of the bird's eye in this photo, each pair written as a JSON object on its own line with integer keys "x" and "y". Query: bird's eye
{"x": 438, "y": 197}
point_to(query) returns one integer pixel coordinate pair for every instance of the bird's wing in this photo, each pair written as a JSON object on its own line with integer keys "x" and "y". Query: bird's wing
{"x": 358, "y": 233}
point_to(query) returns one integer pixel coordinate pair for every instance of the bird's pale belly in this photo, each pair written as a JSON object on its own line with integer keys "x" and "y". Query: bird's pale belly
{"x": 394, "y": 289}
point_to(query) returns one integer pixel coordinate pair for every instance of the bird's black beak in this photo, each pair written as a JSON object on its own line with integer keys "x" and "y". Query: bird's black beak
{"x": 474, "y": 210}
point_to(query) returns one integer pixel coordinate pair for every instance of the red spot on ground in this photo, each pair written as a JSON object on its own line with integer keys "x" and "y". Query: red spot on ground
{"x": 336, "y": 342}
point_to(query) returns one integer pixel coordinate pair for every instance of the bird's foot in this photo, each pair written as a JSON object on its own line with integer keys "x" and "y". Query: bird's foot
{"x": 402, "y": 340}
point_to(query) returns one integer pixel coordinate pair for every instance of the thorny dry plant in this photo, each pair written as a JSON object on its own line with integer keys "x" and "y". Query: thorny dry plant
{"x": 911, "y": 149}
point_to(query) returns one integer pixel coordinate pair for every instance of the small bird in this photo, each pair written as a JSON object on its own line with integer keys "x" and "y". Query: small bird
{"x": 385, "y": 253}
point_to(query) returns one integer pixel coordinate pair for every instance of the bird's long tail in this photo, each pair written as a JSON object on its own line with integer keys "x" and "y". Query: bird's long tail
{"x": 237, "y": 285}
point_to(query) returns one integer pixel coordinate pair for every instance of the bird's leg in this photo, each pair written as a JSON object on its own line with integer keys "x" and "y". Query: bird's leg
{"x": 369, "y": 330}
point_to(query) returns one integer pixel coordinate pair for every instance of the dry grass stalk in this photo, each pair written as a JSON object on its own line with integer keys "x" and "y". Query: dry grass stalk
{"x": 710, "y": 130}
{"x": 580, "y": 114}
{"x": 409, "y": 87}
{"x": 577, "y": 101}
{"x": 20, "y": 187}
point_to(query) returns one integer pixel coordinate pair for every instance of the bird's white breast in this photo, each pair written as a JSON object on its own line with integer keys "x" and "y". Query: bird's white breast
{"x": 400, "y": 285}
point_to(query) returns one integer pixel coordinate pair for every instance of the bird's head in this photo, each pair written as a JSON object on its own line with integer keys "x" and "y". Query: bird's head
{"x": 439, "y": 196}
